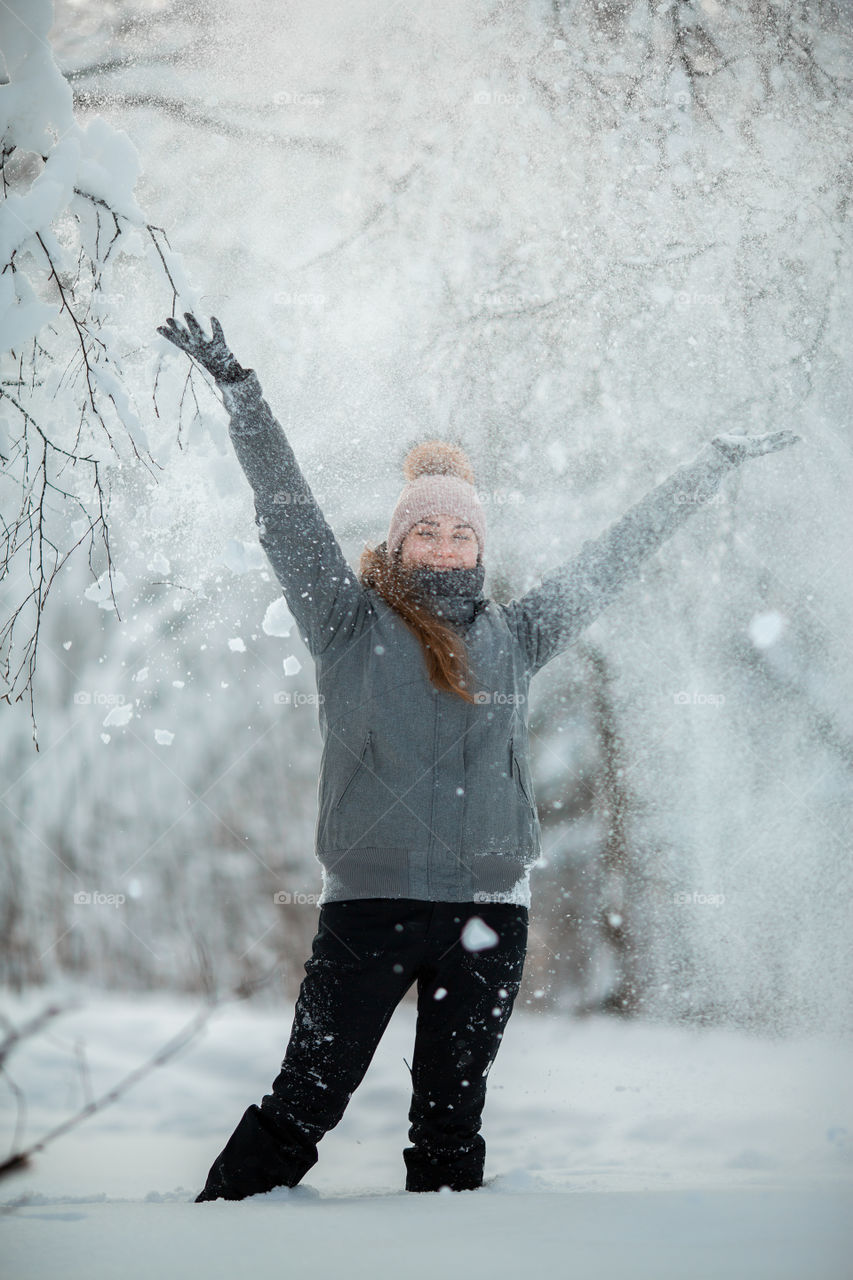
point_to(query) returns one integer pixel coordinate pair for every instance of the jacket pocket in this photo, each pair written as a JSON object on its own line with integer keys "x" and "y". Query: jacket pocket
{"x": 526, "y": 787}
{"x": 354, "y": 770}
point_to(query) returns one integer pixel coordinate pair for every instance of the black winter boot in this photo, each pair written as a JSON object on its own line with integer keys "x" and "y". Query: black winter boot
{"x": 459, "y": 1171}
{"x": 255, "y": 1159}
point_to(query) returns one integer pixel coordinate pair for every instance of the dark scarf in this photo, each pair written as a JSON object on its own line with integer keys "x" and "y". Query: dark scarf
{"x": 455, "y": 595}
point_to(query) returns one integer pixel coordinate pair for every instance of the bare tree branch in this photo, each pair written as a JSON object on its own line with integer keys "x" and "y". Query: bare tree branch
{"x": 22, "y": 1158}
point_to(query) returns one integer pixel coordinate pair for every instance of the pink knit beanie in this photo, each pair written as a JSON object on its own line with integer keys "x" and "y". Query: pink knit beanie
{"x": 440, "y": 482}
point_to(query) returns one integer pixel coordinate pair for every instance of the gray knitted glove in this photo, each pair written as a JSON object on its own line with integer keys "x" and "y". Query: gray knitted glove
{"x": 739, "y": 448}
{"x": 213, "y": 353}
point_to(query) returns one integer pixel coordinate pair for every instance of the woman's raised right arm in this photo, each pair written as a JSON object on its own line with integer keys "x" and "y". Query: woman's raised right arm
{"x": 323, "y": 593}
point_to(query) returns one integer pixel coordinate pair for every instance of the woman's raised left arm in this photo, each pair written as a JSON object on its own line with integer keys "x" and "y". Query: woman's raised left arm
{"x": 548, "y": 618}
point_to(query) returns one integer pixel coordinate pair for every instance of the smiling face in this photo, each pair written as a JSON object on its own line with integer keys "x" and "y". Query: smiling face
{"x": 441, "y": 542}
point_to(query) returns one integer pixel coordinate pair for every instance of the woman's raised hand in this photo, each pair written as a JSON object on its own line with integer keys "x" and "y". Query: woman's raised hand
{"x": 213, "y": 353}
{"x": 739, "y": 448}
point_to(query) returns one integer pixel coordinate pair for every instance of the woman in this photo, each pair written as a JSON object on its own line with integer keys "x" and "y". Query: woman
{"x": 427, "y": 826}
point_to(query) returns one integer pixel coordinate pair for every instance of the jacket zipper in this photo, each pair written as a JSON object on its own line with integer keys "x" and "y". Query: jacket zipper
{"x": 433, "y": 774}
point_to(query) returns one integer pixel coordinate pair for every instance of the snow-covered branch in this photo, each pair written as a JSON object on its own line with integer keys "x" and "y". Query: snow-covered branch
{"x": 69, "y": 226}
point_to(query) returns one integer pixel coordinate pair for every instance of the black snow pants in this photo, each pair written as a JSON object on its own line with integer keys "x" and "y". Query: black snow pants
{"x": 365, "y": 956}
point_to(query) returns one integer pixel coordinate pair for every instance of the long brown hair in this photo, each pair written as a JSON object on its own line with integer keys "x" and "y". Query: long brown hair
{"x": 444, "y": 649}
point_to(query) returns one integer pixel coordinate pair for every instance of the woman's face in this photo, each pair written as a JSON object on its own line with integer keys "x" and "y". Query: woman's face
{"x": 441, "y": 542}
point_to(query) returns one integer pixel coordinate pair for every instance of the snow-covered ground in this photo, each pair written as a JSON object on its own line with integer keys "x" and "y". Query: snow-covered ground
{"x": 613, "y": 1148}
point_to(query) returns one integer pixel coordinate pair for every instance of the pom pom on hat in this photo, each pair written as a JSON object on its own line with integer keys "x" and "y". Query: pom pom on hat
{"x": 437, "y": 458}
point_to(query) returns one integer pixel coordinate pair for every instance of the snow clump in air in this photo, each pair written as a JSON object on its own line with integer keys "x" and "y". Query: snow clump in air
{"x": 477, "y": 936}
{"x": 278, "y": 620}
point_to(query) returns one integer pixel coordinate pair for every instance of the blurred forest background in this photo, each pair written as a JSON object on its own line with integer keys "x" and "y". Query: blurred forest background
{"x": 581, "y": 239}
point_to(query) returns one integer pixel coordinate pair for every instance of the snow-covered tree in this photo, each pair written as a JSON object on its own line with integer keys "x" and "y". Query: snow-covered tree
{"x": 72, "y": 237}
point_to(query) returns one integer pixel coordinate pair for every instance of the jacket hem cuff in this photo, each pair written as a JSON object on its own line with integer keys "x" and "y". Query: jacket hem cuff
{"x": 236, "y": 395}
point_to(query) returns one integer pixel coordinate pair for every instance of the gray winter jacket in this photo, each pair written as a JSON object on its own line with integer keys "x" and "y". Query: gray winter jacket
{"x": 421, "y": 794}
